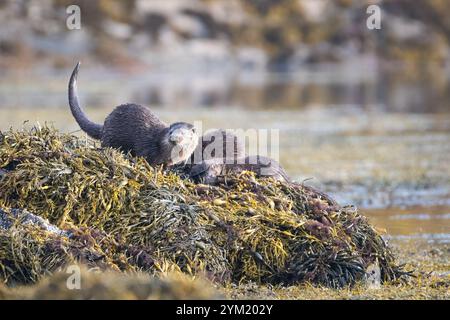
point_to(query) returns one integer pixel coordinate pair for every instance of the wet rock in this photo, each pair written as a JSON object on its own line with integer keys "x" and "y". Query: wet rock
{"x": 7, "y": 220}
{"x": 373, "y": 276}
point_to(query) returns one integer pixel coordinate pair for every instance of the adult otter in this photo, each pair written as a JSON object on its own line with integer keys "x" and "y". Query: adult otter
{"x": 208, "y": 171}
{"x": 134, "y": 128}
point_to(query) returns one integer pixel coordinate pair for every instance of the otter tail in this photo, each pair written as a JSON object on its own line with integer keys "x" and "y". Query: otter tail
{"x": 94, "y": 130}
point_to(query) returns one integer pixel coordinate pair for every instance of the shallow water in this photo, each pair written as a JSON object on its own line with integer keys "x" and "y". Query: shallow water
{"x": 374, "y": 141}
{"x": 426, "y": 223}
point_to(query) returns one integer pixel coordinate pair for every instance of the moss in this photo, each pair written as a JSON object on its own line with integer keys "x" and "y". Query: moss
{"x": 122, "y": 214}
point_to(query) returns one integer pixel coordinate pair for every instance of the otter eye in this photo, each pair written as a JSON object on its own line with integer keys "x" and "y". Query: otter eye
{"x": 194, "y": 130}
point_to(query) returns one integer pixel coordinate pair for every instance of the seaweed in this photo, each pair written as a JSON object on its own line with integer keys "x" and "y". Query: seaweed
{"x": 120, "y": 213}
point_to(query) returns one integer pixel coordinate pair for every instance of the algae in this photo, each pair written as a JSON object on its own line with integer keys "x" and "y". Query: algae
{"x": 119, "y": 213}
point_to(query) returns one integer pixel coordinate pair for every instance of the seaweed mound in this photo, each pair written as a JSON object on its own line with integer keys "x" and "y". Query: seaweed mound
{"x": 65, "y": 201}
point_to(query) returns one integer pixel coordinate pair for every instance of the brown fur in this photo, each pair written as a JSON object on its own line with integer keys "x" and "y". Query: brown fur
{"x": 207, "y": 147}
{"x": 134, "y": 128}
{"x": 208, "y": 171}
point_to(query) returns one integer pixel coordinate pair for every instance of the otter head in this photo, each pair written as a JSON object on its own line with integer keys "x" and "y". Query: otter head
{"x": 207, "y": 171}
{"x": 182, "y": 139}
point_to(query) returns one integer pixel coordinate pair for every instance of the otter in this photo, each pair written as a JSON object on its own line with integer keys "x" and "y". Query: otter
{"x": 220, "y": 143}
{"x": 208, "y": 171}
{"x": 133, "y": 128}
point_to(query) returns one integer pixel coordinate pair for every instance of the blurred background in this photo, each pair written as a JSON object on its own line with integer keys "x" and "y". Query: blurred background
{"x": 363, "y": 114}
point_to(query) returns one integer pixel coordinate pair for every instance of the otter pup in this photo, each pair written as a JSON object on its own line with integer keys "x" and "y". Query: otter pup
{"x": 220, "y": 143}
{"x": 208, "y": 171}
{"x": 134, "y": 128}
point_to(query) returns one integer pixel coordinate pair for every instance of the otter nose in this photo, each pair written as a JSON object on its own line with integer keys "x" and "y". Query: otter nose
{"x": 176, "y": 137}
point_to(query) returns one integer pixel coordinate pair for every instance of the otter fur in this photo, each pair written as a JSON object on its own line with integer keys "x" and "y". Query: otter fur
{"x": 219, "y": 143}
{"x": 208, "y": 171}
{"x": 135, "y": 129}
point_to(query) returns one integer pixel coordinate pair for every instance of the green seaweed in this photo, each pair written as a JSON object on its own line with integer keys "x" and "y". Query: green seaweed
{"x": 125, "y": 215}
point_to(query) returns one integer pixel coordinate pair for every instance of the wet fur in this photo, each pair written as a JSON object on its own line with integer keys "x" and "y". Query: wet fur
{"x": 238, "y": 150}
{"x": 208, "y": 171}
{"x": 129, "y": 127}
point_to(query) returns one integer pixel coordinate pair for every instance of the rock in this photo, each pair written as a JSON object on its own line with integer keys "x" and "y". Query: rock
{"x": 27, "y": 218}
{"x": 373, "y": 276}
